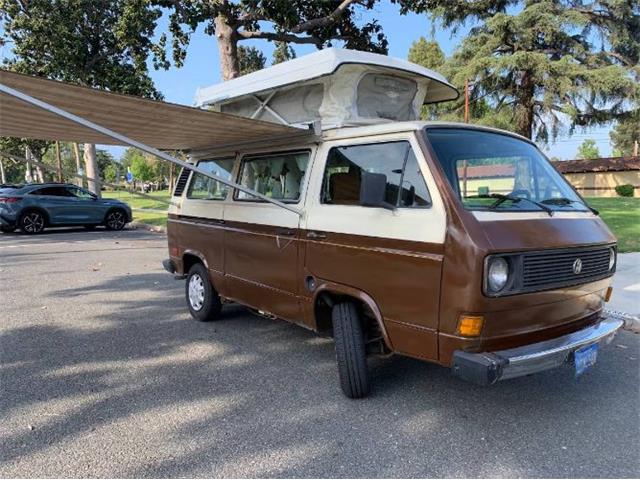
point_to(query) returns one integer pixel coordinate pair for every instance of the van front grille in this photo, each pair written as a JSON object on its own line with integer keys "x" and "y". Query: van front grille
{"x": 560, "y": 268}
{"x": 182, "y": 182}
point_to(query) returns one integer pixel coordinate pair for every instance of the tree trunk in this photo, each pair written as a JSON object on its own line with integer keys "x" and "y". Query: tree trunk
{"x": 524, "y": 110}
{"x": 227, "y": 47}
{"x": 58, "y": 162}
{"x": 3, "y": 178}
{"x": 170, "y": 178}
{"x": 91, "y": 168}
{"x": 76, "y": 151}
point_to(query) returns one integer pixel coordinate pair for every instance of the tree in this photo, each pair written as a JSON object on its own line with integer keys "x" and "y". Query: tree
{"x": 426, "y": 53}
{"x": 293, "y": 21}
{"x": 141, "y": 169}
{"x": 250, "y": 59}
{"x": 588, "y": 150}
{"x": 282, "y": 53}
{"x": 537, "y": 63}
{"x": 99, "y": 44}
{"x": 625, "y": 134}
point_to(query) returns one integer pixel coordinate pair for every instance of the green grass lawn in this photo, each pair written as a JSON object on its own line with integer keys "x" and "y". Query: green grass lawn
{"x": 136, "y": 201}
{"x": 622, "y": 215}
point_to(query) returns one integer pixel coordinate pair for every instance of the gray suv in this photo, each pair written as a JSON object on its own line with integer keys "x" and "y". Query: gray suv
{"x": 36, "y": 206}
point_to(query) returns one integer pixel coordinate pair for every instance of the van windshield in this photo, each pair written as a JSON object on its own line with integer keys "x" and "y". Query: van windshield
{"x": 493, "y": 171}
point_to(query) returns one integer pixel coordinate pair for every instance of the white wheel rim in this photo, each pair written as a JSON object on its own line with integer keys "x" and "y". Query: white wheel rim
{"x": 196, "y": 292}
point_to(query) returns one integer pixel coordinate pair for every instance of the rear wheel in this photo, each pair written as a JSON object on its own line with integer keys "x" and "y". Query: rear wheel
{"x": 202, "y": 299}
{"x": 350, "y": 350}
{"x": 32, "y": 222}
{"x": 115, "y": 219}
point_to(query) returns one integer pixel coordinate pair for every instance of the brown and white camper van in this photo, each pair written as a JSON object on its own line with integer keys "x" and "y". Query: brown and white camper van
{"x": 455, "y": 244}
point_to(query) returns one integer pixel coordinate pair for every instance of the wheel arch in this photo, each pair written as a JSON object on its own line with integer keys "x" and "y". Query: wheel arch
{"x": 190, "y": 258}
{"x": 328, "y": 294}
{"x": 35, "y": 208}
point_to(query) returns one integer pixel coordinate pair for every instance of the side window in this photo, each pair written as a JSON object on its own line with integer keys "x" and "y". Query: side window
{"x": 405, "y": 186}
{"x": 52, "y": 192}
{"x": 278, "y": 176}
{"x": 79, "y": 193}
{"x": 206, "y": 188}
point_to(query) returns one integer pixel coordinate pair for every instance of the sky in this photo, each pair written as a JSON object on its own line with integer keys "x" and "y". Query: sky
{"x": 201, "y": 67}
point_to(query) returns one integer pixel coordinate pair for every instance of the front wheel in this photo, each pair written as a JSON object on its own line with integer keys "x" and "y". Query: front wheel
{"x": 115, "y": 220}
{"x": 350, "y": 350}
{"x": 202, "y": 299}
{"x": 32, "y": 222}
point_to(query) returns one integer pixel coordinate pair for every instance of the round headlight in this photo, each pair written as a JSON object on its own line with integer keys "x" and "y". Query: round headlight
{"x": 612, "y": 258}
{"x": 498, "y": 274}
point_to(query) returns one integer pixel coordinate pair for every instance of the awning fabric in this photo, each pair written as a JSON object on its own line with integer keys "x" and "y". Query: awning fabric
{"x": 159, "y": 124}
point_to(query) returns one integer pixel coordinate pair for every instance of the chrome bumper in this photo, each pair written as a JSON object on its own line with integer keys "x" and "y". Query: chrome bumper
{"x": 490, "y": 367}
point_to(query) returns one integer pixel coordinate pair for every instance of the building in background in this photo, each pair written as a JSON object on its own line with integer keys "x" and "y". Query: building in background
{"x": 600, "y": 176}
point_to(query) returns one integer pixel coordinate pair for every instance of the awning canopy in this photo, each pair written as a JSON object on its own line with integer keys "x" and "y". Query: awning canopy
{"x": 159, "y": 124}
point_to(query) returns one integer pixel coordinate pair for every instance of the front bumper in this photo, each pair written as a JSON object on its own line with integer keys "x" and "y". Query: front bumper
{"x": 489, "y": 367}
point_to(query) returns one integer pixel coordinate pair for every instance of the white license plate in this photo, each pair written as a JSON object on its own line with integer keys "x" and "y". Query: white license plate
{"x": 585, "y": 357}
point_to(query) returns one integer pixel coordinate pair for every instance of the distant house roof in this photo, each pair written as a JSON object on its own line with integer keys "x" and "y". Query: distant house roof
{"x": 488, "y": 171}
{"x": 610, "y": 164}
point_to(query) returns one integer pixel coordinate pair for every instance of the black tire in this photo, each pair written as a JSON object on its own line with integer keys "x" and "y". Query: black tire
{"x": 7, "y": 229}
{"x": 32, "y": 222}
{"x": 207, "y": 306}
{"x": 115, "y": 219}
{"x": 350, "y": 350}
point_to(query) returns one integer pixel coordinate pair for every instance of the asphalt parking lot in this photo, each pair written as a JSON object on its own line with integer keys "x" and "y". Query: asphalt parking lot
{"x": 104, "y": 374}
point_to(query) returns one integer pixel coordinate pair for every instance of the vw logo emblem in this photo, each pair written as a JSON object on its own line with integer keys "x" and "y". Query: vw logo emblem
{"x": 577, "y": 266}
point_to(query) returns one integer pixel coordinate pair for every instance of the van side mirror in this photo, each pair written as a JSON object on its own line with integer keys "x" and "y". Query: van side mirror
{"x": 373, "y": 187}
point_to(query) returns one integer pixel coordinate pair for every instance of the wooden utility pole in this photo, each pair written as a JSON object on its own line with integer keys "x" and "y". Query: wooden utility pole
{"x": 58, "y": 162}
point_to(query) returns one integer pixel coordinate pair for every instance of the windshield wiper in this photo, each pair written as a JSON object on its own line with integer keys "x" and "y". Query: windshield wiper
{"x": 567, "y": 201}
{"x": 503, "y": 198}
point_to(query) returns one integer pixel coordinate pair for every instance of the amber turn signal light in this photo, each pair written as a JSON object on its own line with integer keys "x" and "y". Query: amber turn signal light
{"x": 470, "y": 325}
{"x": 607, "y": 296}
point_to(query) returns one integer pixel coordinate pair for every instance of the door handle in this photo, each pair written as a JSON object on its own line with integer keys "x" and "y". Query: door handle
{"x": 316, "y": 235}
{"x": 286, "y": 232}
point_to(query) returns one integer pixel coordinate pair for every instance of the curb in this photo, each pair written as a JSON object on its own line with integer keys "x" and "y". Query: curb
{"x": 631, "y": 322}
{"x": 147, "y": 227}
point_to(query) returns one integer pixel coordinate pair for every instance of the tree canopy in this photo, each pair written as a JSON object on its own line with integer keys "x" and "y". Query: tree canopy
{"x": 588, "y": 150}
{"x": 426, "y": 53}
{"x": 538, "y": 64}
{"x": 250, "y": 59}
{"x": 283, "y": 52}
{"x": 317, "y": 23}
{"x": 625, "y": 134}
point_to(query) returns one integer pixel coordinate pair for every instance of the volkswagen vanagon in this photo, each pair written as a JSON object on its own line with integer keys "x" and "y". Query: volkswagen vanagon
{"x": 450, "y": 243}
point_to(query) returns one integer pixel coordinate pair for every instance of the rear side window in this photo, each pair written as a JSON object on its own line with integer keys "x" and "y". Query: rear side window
{"x": 396, "y": 160}
{"x": 52, "y": 192}
{"x": 206, "y": 188}
{"x": 277, "y": 176}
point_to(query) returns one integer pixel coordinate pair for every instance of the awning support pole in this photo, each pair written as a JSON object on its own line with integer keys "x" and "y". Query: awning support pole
{"x": 133, "y": 143}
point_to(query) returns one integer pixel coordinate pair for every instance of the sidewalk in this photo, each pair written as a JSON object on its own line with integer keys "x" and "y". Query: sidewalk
{"x": 626, "y": 285}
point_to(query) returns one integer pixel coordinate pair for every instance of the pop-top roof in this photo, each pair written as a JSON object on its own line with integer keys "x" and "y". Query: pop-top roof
{"x": 316, "y": 65}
